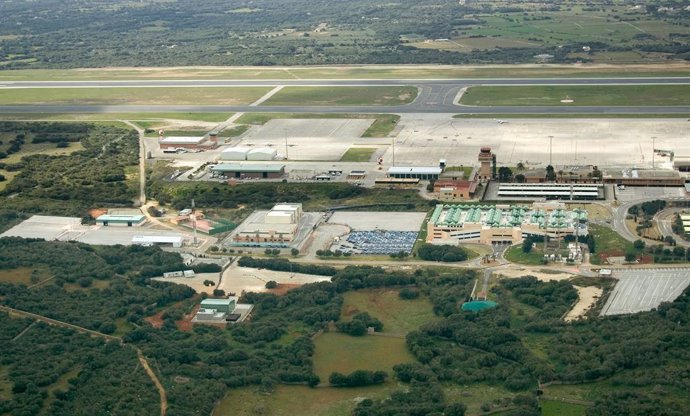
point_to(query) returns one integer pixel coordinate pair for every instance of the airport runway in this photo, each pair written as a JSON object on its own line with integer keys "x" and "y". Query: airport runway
{"x": 411, "y": 108}
{"x": 349, "y": 82}
{"x": 435, "y": 96}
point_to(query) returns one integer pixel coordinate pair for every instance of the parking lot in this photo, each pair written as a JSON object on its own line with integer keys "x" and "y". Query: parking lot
{"x": 308, "y": 139}
{"x": 369, "y": 221}
{"x": 640, "y": 290}
{"x": 639, "y": 192}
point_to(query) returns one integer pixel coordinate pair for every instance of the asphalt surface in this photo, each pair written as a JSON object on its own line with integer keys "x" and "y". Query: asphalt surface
{"x": 435, "y": 96}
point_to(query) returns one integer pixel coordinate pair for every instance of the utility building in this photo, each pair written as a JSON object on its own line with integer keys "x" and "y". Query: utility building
{"x": 248, "y": 171}
{"x": 423, "y": 173}
{"x": 120, "y": 220}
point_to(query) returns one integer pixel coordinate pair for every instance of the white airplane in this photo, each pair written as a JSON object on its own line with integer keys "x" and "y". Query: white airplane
{"x": 500, "y": 121}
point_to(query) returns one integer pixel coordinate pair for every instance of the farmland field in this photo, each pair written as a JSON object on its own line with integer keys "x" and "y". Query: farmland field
{"x": 336, "y": 352}
{"x": 297, "y": 400}
{"x": 556, "y": 408}
{"x": 397, "y": 315}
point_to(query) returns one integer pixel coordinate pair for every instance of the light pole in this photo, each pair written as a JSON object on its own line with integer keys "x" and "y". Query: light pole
{"x": 286, "y": 144}
{"x": 653, "y": 150}
{"x": 551, "y": 150}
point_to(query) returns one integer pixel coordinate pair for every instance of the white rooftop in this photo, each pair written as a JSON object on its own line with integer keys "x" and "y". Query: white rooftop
{"x": 182, "y": 140}
{"x": 143, "y": 239}
{"x": 419, "y": 170}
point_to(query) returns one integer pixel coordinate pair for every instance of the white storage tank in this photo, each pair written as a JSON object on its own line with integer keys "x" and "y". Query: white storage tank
{"x": 235, "y": 153}
{"x": 262, "y": 153}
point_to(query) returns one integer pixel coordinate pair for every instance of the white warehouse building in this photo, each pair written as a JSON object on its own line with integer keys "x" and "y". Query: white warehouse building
{"x": 262, "y": 153}
{"x": 235, "y": 153}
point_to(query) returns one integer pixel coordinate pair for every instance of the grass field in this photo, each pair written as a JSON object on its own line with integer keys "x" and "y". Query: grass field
{"x": 514, "y": 254}
{"x": 133, "y": 96}
{"x": 358, "y": 154}
{"x": 343, "y": 96}
{"x": 600, "y": 95}
{"x": 556, "y": 408}
{"x": 607, "y": 243}
{"x": 5, "y": 383}
{"x": 22, "y": 275}
{"x": 474, "y": 395}
{"x": 595, "y": 212}
{"x": 29, "y": 149}
{"x": 349, "y": 72}
{"x": 297, "y": 400}
{"x": 345, "y": 354}
{"x": 549, "y": 115}
{"x": 398, "y": 316}
{"x": 381, "y": 127}
{"x": 591, "y": 391}
{"x": 138, "y": 117}
{"x": 234, "y": 131}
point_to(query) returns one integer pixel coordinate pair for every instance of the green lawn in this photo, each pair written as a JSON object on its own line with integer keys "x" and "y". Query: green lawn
{"x": 514, "y": 254}
{"x": 398, "y": 316}
{"x": 234, "y": 131}
{"x": 138, "y": 96}
{"x": 381, "y": 127}
{"x": 343, "y": 96}
{"x": 599, "y": 95}
{"x": 139, "y": 118}
{"x": 607, "y": 243}
{"x": 556, "y": 408}
{"x": 358, "y": 154}
{"x": 336, "y": 352}
{"x": 549, "y": 115}
{"x": 297, "y": 400}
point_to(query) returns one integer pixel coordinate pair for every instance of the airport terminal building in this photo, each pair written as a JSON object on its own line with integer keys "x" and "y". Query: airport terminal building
{"x": 489, "y": 224}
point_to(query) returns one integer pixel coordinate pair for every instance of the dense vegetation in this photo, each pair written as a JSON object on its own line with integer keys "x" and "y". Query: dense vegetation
{"x": 56, "y": 33}
{"x": 60, "y": 372}
{"x": 314, "y": 196}
{"x": 495, "y": 347}
{"x": 445, "y": 253}
{"x": 69, "y": 184}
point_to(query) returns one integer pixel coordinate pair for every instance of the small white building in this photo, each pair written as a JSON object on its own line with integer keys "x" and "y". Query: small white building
{"x": 149, "y": 240}
{"x": 262, "y": 153}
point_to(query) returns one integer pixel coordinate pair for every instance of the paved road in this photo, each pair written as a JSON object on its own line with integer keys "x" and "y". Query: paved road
{"x": 435, "y": 96}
